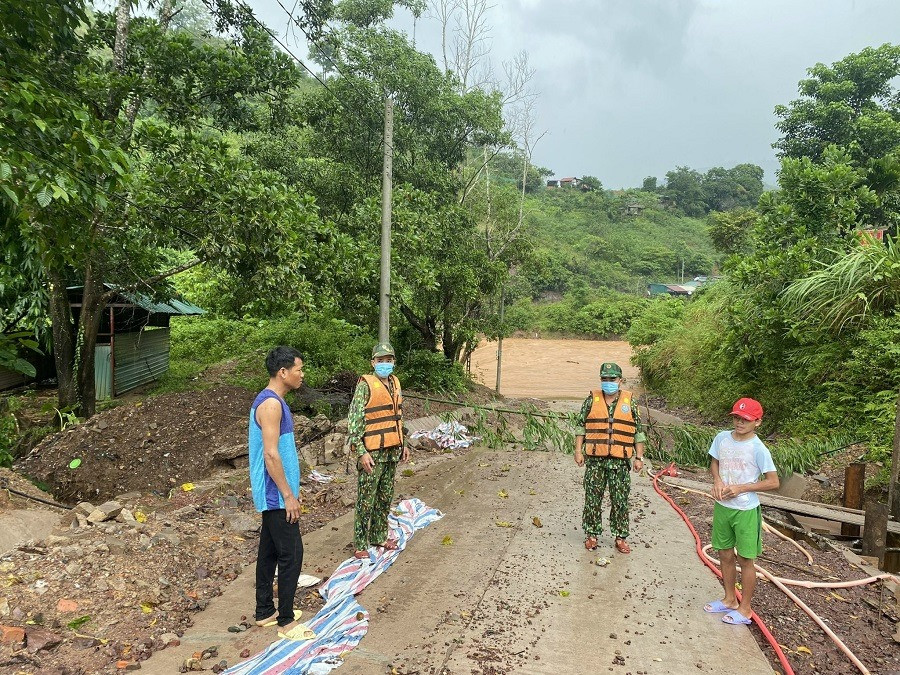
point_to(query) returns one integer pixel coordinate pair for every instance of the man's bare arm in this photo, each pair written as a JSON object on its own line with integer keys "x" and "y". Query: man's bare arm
{"x": 268, "y": 416}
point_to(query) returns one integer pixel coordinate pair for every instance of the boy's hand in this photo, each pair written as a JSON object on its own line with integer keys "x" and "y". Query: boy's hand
{"x": 730, "y": 491}
{"x": 718, "y": 487}
{"x": 579, "y": 458}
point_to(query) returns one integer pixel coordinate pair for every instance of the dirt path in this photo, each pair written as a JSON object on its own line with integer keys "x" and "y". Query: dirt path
{"x": 551, "y": 369}
{"x": 513, "y": 599}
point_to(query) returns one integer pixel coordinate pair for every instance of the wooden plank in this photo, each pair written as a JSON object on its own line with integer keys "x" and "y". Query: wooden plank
{"x": 875, "y": 535}
{"x": 854, "y": 487}
{"x": 839, "y": 514}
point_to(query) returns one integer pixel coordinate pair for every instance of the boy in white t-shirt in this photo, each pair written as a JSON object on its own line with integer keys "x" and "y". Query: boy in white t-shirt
{"x": 739, "y": 458}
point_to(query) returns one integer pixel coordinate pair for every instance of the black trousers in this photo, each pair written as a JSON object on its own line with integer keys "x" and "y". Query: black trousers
{"x": 281, "y": 546}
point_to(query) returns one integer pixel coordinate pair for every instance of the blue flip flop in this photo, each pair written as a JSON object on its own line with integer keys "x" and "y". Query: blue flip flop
{"x": 735, "y": 618}
{"x": 716, "y": 607}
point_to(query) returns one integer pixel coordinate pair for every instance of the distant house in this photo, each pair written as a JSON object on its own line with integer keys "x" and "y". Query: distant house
{"x": 666, "y": 201}
{"x": 570, "y": 182}
{"x": 633, "y": 209}
{"x": 874, "y": 234}
{"x": 670, "y": 289}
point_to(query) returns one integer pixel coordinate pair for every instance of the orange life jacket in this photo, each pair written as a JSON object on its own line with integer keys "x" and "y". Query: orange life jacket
{"x": 607, "y": 436}
{"x": 384, "y": 414}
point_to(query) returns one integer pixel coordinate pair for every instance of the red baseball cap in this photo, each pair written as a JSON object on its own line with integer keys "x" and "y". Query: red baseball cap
{"x": 748, "y": 408}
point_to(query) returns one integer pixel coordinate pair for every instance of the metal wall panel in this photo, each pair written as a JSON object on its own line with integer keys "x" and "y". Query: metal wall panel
{"x": 102, "y": 372}
{"x": 10, "y": 378}
{"x": 140, "y": 358}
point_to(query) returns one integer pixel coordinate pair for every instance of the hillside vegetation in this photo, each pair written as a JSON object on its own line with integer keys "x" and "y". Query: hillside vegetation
{"x": 805, "y": 319}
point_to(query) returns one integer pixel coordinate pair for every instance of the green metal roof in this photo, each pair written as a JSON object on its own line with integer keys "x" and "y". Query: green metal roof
{"x": 171, "y": 306}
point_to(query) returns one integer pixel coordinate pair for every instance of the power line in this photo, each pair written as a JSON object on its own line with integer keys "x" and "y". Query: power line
{"x": 347, "y": 108}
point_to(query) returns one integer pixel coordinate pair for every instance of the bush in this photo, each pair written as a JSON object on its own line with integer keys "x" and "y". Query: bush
{"x": 328, "y": 346}
{"x": 424, "y": 370}
{"x": 599, "y": 315}
{"x": 660, "y": 317}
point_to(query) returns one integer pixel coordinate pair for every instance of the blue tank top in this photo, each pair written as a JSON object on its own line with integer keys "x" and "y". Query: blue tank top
{"x": 266, "y": 496}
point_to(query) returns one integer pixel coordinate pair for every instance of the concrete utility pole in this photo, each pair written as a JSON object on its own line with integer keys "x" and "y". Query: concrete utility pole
{"x": 384, "y": 317}
{"x": 894, "y": 487}
{"x": 500, "y": 339}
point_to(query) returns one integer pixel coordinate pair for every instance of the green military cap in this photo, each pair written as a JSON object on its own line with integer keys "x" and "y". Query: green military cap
{"x": 610, "y": 369}
{"x": 383, "y": 349}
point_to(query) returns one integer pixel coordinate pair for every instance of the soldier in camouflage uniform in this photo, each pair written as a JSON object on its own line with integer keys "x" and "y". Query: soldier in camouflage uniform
{"x": 608, "y": 436}
{"x": 375, "y": 434}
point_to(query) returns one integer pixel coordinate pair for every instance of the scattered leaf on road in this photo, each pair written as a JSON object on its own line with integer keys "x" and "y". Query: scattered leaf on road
{"x": 447, "y": 541}
{"x": 803, "y": 650}
{"x": 564, "y": 594}
{"x": 75, "y": 624}
{"x": 537, "y": 522}
{"x": 187, "y": 487}
{"x": 503, "y": 494}
{"x": 503, "y": 523}
{"x": 406, "y": 473}
{"x": 140, "y": 516}
{"x": 75, "y": 463}
{"x": 484, "y": 464}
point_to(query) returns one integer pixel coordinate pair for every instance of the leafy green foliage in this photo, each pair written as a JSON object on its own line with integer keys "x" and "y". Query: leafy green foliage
{"x": 851, "y": 104}
{"x": 688, "y": 445}
{"x": 806, "y": 318}
{"x": 424, "y": 370}
{"x": 718, "y": 189}
{"x": 730, "y": 230}
{"x": 591, "y": 239}
{"x": 12, "y": 345}
{"x": 609, "y": 316}
{"x": 328, "y": 345}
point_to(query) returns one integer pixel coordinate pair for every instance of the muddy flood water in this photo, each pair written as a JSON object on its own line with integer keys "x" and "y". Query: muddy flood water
{"x": 551, "y": 369}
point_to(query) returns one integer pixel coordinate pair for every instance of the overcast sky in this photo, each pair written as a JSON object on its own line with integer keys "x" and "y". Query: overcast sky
{"x": 631, "y": 88}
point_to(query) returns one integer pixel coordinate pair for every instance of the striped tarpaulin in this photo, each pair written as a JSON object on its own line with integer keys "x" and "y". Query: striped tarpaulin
{"x": 341, "y": 623}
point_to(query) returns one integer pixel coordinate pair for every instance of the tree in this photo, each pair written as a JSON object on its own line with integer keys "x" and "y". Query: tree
{"x": 98, "y": 193}
{"x": 853, "y": 104}
{"x": 730, "y": 231}
{"x": 649, "y": 184}
{"x": 739, "y": 187}
{"x": 685, "y": 186}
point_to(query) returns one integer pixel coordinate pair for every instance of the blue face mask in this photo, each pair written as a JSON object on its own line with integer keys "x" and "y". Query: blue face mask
{"x": 384, "y": 369}
{"x": 609, "y": 387}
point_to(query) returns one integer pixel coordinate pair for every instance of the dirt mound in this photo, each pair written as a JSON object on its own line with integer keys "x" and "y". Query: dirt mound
{"x": 148, "y": 446}
{"x": 9, "y": 480}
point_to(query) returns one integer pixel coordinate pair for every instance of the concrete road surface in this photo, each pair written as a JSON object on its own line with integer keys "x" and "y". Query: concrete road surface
{"x": 532, "y": 600}
{"x": 522, "y": 599}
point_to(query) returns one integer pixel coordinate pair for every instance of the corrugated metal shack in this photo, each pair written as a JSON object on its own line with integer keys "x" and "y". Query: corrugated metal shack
{"x": 133, "y": 342}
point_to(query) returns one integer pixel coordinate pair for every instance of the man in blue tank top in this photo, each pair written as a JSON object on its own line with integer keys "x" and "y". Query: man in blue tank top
{"x": 275, "y": 483}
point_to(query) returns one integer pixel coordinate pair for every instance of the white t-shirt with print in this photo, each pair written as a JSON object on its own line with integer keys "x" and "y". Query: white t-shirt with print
{"x": 741, "y": 462}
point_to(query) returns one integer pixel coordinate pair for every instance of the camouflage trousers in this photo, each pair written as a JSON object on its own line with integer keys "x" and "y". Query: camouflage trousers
{"x": 374, "y": 493}
{"x": 600, "y": 473}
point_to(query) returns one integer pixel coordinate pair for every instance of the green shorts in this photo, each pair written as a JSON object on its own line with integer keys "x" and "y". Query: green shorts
{"x": 732, "y": 528}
